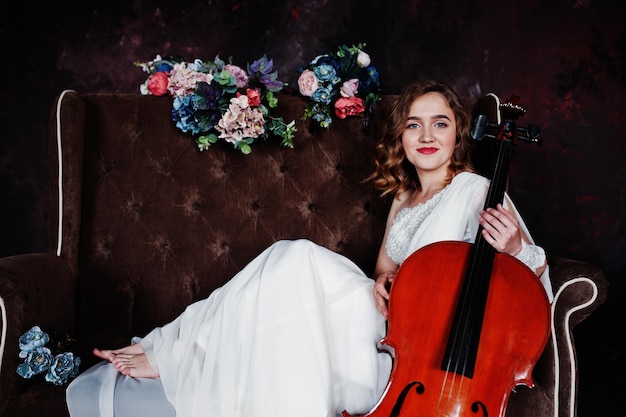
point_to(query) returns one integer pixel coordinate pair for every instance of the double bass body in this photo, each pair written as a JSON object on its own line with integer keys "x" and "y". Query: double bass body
{"x": 421, "y": 314}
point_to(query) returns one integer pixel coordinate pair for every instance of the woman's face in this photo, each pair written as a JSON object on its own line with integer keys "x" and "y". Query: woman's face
{"x": 429, "y": 135}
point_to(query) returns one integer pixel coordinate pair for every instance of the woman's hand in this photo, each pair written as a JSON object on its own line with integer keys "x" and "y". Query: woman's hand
{"x": 501, "y": 230}
{"x": 381, "y": 292}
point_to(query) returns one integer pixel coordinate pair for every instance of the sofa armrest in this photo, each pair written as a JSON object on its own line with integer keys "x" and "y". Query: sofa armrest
{"x": 577, "y": 283}
{"x": 579, "y": 289}
{"x": 36, "y": 289}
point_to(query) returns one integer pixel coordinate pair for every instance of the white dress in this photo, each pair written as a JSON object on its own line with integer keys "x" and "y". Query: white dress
{"x": 295, "y": 332}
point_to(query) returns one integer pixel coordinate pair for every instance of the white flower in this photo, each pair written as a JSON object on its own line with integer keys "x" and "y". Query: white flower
{"x": 363, "y": 59}
{"x": 149, "y": 66}
{"x": 143, "y": 88}
{"x": 241, "y": 102}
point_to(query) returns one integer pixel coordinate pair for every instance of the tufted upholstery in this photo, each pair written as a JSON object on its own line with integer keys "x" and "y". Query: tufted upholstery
{"x": 196, "y": 218}
{"x": 143, "y": 224}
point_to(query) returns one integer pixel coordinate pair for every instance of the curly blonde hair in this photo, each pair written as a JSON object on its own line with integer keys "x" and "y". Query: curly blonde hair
{"x": 393, "y": 172}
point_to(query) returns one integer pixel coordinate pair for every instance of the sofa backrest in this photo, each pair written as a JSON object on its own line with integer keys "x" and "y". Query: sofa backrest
{"x": 151, "y": 224}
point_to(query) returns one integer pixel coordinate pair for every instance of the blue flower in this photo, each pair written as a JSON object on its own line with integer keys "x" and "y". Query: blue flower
{"x": 327, "y": 59}
{"x": 332, "y": 72}
{"x": 39, "y": 359}
{"x": 323, "y": 119}
{"x": 183, "y": 114}
{"x": 164, "y": 66}
{"x": 31, "y": 340}
{"x": 37, "y": 362}
{"x": 323, "y": 95}
{"x": 64, "y": 367}
{"x": 325, "y": 73}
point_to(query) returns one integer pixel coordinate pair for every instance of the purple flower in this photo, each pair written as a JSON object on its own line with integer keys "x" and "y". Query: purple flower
{"x": 261, "y": 71}
{"x": 261, "y": 65}
{"x": 207, "y": 96}
{"x": 241, "y": 78}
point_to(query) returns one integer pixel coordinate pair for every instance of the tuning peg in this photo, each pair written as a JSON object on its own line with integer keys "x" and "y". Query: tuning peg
{"x": 478, "y": 129}
{"x": 530, "y": 133}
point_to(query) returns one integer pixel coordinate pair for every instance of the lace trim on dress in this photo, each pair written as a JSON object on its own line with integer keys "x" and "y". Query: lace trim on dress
{"x": 531, "y": 255}
{"x": 406, "y": 223}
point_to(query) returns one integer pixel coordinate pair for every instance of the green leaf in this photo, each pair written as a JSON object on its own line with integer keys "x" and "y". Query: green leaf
{"x": 244, "y": 148}
{"x": 272, "y": 101}
{"x": 205, "y": 141}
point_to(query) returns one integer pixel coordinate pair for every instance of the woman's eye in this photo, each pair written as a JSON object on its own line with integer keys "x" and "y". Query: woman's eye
{"x": 441, "y": 124}
{"x": 412, "y": 126}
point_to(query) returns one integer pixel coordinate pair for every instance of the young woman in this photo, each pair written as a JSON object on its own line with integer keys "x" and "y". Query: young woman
{"x": 297, "y": 330}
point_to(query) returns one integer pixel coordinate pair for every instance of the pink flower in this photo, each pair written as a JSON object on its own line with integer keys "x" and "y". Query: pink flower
{"x": 183, "y": 79}
{"x": 307, "y": 83}
{"x": 349, "y": 88}
{"x": 348, "y": 106}
{"x": 157, "y": 84}
{"x": 241, "y": 78}
{"x": 240, "y": 121}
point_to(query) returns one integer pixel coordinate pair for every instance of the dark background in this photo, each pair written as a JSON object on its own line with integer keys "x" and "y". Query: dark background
{"x": 565, "y": 59}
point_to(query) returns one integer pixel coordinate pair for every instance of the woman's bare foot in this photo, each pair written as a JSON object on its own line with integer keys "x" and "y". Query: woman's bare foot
{"x": 130, "y": 360}
{"x": 134, "y": 349}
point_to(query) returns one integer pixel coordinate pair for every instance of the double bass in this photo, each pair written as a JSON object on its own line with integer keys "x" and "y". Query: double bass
{"x": 466, "y": 324}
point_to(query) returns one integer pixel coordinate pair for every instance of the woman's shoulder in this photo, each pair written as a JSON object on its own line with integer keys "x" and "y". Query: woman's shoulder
{"x": 470, "y": 179}
{"x": 400, "y": 201}
{"x": 403, "y": 197}
{"x": 469, "y": 185}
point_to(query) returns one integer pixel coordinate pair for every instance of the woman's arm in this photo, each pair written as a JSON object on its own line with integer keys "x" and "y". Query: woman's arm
{"x": 385, "y": 268}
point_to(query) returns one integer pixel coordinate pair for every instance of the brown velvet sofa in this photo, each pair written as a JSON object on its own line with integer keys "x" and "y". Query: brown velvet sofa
{"x": 142, "y": 224}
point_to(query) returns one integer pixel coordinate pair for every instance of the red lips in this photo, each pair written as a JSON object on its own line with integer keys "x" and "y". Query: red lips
{"x": 427, "y": 151}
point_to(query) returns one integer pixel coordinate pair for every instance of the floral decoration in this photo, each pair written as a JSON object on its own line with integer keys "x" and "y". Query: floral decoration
{"x": 216, "y": 100}
{"x": 343, "y": 83}
{"x": 57, "y": 368}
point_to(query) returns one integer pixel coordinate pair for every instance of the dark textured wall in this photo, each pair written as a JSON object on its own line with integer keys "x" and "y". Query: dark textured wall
{"x": 564, "y": 58}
